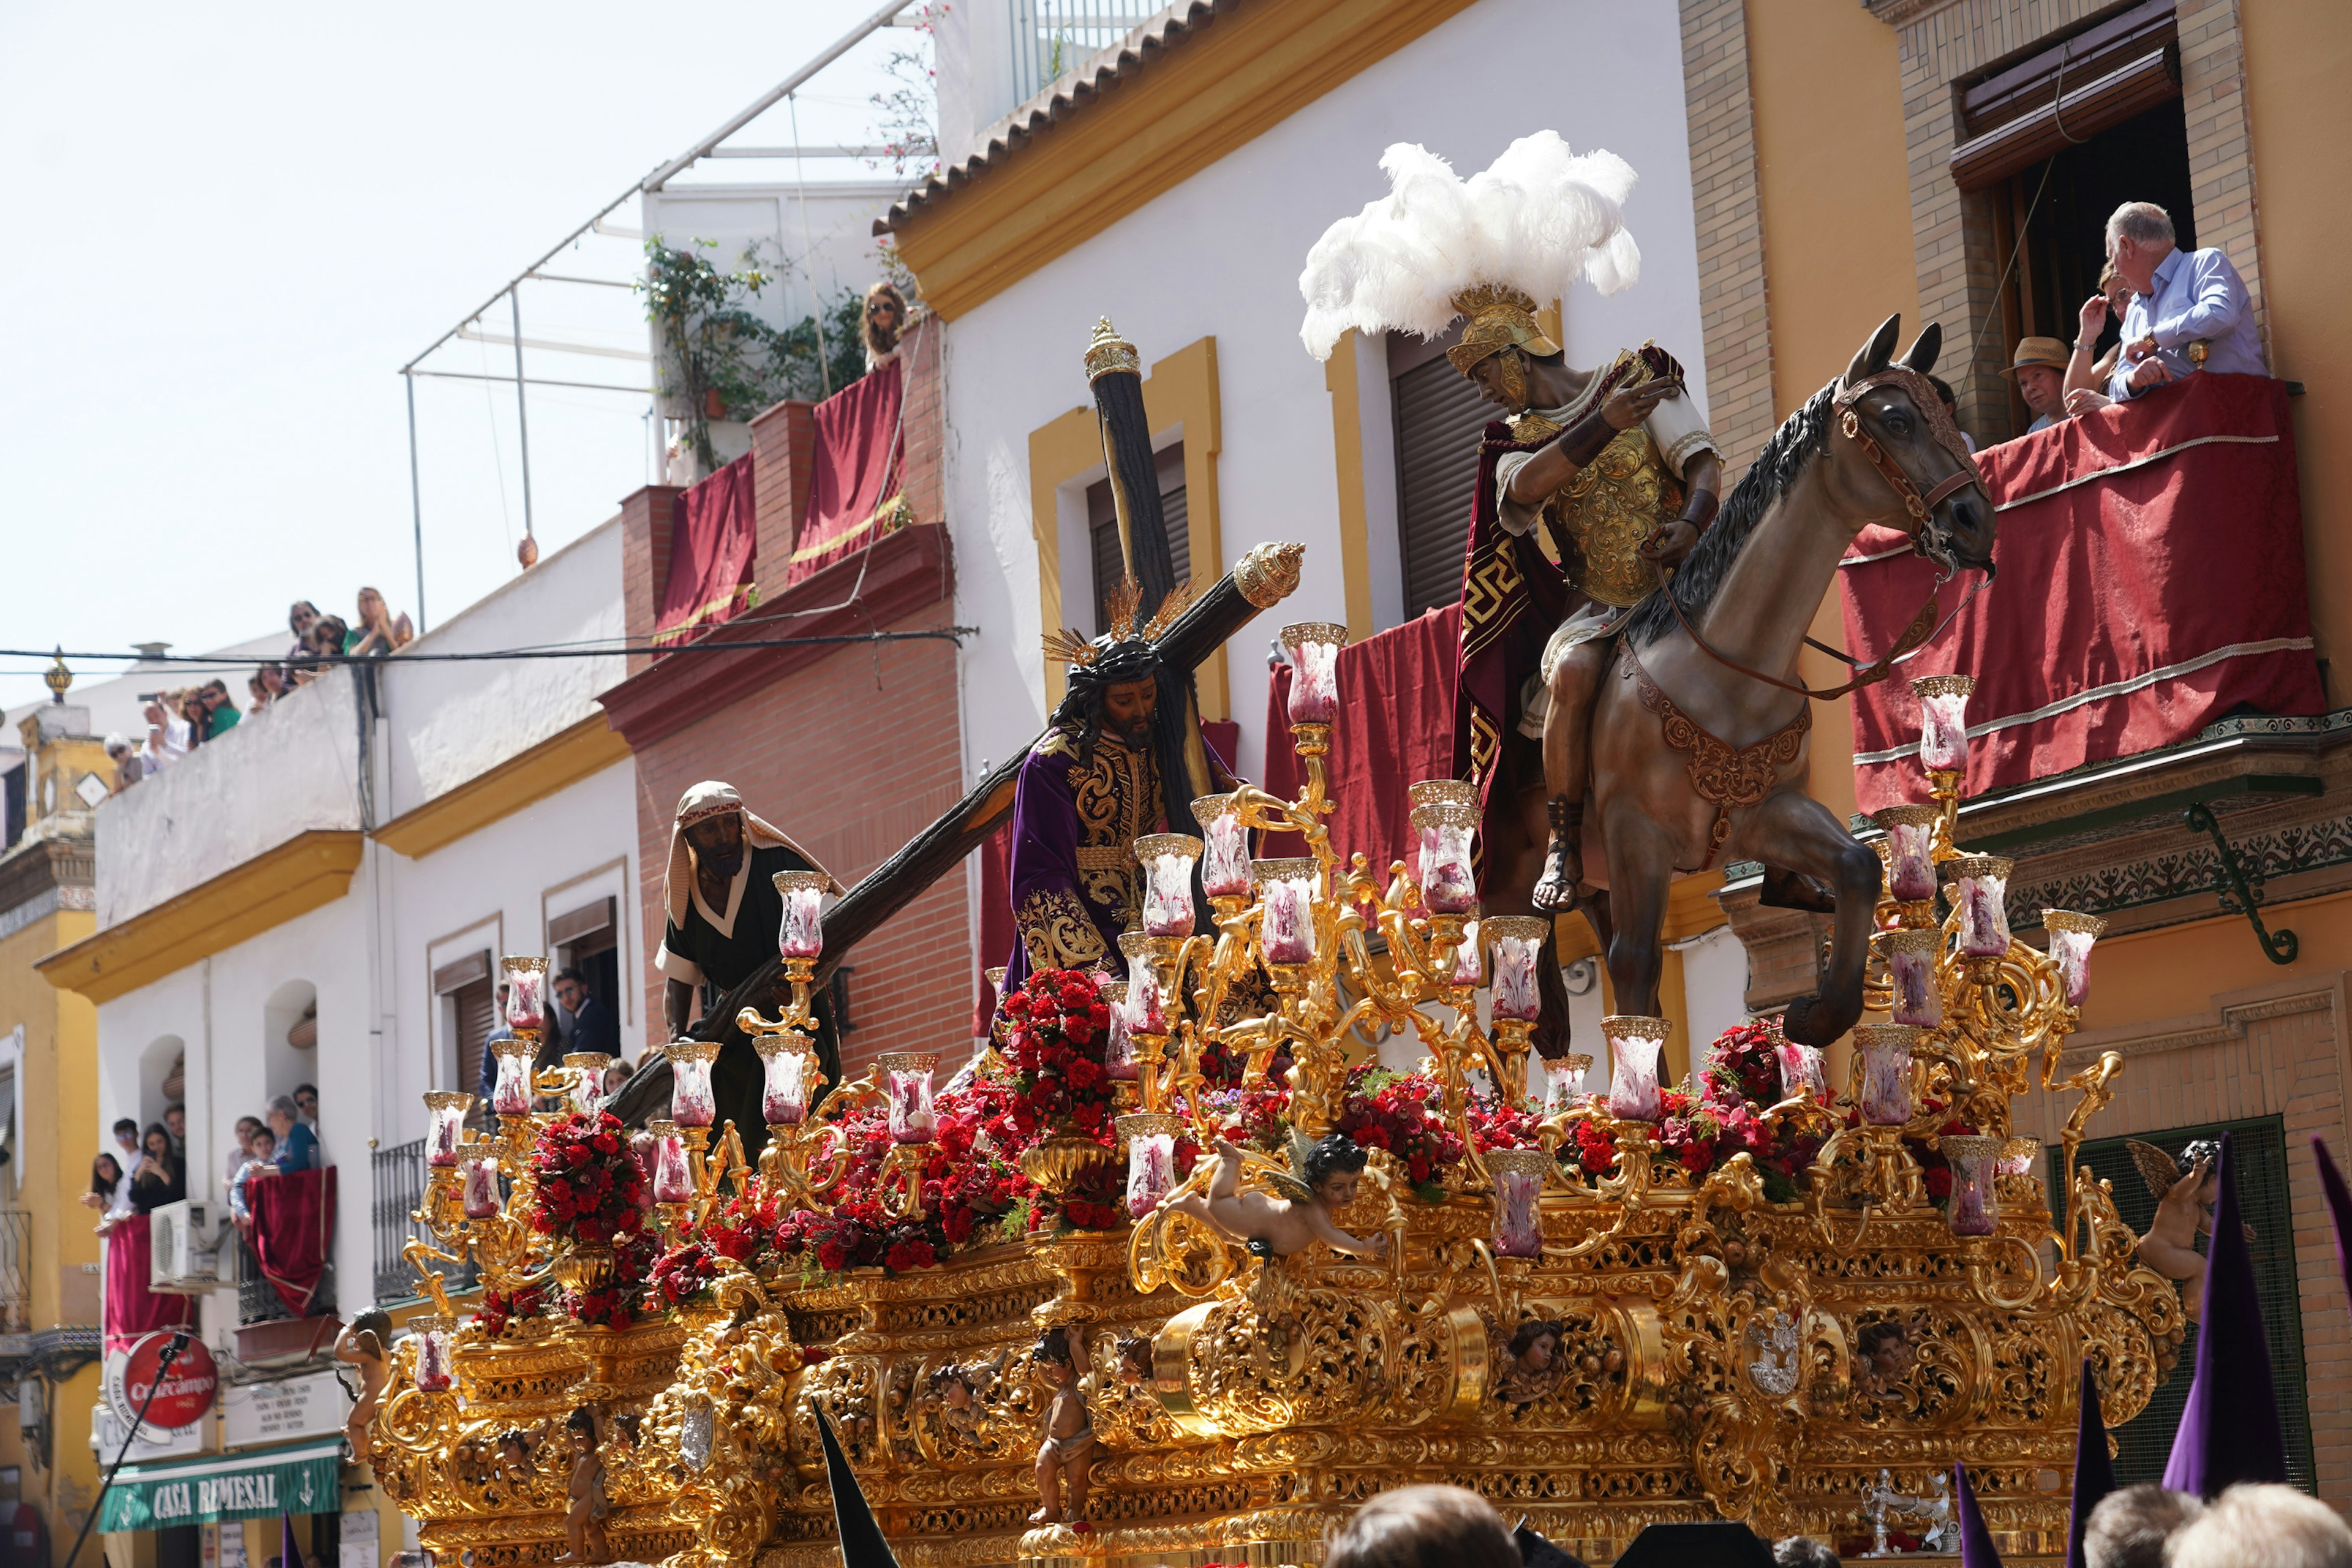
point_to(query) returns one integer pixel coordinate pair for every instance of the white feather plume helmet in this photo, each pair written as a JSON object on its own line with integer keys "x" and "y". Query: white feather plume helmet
{"x": 1534, "y": 221}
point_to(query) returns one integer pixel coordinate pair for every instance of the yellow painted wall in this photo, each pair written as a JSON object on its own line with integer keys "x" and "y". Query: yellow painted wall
{"x": 1835, "y": 198}
{"x": 2298, "y": 53}
{"x": 55, "y": 1143}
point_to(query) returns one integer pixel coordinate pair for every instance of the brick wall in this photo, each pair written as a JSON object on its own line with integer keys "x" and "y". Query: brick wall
{"x": 783, "y": 438}
{"x": 924, "y": 423}
{"x": 644, "y": 563}
{"x": 850, "y": 756}
{"x": 1721, "y": 115}
{"x": 2275, "y": 1050}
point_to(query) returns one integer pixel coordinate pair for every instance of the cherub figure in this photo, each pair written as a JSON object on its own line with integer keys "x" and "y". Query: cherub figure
{"x": 1066, "y": 1453}
{"x": 585, "y": 1506}
{"x": 2185, "y": 1191}
{"x": 361, "y": 1346}
{"x": 515, "y": 1465}
{"x": 1276, "y": 1227}
{"x": 1883, "y": 1358}
{"x": 1530, "y": 1362}
{"x": 957, "y": 1389}
{"x": 1134, "y": 1367}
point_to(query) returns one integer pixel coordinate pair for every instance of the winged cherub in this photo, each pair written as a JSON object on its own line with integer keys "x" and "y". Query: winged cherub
{"x": 1276, "y": 1227}
{"x": 2185, "y": 1190}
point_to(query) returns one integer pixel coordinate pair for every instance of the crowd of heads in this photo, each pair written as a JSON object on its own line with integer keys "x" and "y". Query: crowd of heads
{"x": 2248, "y": 1526}
{"x": 180, "y": 718}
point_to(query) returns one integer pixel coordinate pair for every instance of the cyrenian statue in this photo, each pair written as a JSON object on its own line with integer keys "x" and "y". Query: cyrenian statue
{"x": 362, "y": 1344}
{"x": 1066, "y": 1455}
{"x": 723, "y": 911}
{"x": 585, "y": 1505}
{"x": 1276, "y": 1227}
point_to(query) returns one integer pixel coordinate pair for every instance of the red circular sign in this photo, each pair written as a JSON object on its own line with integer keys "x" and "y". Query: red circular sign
{"x": 186, "y": 1390}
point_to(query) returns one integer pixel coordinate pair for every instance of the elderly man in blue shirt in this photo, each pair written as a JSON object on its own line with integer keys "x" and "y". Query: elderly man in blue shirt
{"x": 2179, "y": 298}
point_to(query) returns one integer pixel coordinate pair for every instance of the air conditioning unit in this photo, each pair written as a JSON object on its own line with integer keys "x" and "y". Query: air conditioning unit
{"x": 183, "y": 1248}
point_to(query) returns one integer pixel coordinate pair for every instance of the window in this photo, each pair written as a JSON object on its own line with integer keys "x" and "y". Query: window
{"x": 469, "y": 1005}
{"x": 2257, "y": 1157}
{"x": 2055, "y": 142}
{"x": 588, "y": 939}
{"x": 1439, "y": 420}
{"x": 1102, "y": 525}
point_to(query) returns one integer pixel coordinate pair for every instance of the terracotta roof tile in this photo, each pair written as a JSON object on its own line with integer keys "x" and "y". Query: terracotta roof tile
{"x": 1139, "y": 51}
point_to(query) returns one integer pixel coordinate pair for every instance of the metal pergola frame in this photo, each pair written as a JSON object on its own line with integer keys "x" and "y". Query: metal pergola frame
{"x": 468, "y": 327}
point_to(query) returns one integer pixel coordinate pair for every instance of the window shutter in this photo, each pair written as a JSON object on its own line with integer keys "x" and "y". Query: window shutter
{"x": 476, "y": 1004}
{"x": 1102, "y": 522}
{"x": 2107, "y": 73}
{"x": 2257, "y": 1157}
{"x": 1439, "y": 420}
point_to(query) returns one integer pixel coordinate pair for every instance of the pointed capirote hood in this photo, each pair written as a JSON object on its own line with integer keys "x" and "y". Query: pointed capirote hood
{"x": 862, "y": 1545}
{"x": 2229, "y": 1428}
{"x": 2095, "y": 1470}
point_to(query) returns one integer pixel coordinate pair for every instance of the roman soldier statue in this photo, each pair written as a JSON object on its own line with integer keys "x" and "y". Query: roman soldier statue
{"x": 1093, "y": 784}
{"x": 1596, "y": 482}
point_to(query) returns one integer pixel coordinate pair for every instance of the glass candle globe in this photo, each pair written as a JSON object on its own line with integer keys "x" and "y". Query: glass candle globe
{"x": 1914, "y": 993}
{"x": 907, "y": 1077}
{"x": 1886, "y": 1095}
{"x": 1943, "y": 720}
{"x": 1518, "y": 944}
{"x": 1910, "y": 851}
{"x": 1224, "y": 852}
{"x": 2071, "y": 938}
{"x": 1315, "y": 671}
{"x": 445, "y": 1127}
{"x": 1635, "y": 1042}
{"x": 1167, "y": 859}
{"x": 800, "y": 933}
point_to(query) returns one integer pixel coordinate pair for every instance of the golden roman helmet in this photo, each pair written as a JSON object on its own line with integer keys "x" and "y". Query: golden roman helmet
{"x": 1501, "y": 317}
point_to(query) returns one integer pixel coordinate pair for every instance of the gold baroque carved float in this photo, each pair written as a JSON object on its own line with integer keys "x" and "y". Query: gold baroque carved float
{"x": 1566, "y": 1320}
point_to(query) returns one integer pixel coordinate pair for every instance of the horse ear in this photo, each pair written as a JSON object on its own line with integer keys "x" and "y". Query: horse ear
{"x": 1925, "y": 348}
{"x": 1872, "y": 356}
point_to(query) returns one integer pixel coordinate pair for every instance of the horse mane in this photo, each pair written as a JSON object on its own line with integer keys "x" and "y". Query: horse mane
{"x": 1803, "y": 437}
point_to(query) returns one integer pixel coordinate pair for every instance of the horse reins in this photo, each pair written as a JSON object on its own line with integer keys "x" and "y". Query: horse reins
{"x": 1918, "y": 508}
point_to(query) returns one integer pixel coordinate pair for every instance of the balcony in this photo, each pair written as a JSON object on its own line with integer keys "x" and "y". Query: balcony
{"x": 1051, "y": 38}
{"x": 398, "y": 1174}
{"x": 15, "y": 1284}
{"x": 257, "y": 1300}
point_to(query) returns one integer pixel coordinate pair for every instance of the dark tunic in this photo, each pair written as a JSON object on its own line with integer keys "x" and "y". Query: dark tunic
{"x": 699, "y": 953}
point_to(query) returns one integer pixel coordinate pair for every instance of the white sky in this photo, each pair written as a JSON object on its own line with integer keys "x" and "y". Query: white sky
{"x": 233, "y": 224}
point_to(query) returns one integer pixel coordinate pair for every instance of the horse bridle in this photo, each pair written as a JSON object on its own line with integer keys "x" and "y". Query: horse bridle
{"x": 1920, "y": 522}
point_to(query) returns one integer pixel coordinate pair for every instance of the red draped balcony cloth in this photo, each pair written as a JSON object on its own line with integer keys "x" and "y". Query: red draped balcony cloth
{"x": 714, "y": 533}
{"x": 293, "y": 1233}
{"x": 2151, "y": 582}
{"x": 131, "y": 1308}
{"x": 854, "y": 474}
{"x": 1395, "y": 728}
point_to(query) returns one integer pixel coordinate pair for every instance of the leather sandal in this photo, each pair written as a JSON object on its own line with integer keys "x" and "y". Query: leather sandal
{"x": 1556, "y": 891}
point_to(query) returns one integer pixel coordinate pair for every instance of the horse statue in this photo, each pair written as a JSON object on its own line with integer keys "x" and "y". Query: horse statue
{"x": 1699, "y": 732}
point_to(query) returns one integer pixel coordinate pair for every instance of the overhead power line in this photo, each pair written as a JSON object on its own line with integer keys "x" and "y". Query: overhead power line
{"x": 238, "y": 661}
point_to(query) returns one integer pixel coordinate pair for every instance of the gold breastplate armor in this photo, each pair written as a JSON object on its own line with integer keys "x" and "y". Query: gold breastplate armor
{"x": 1612, "y": 505}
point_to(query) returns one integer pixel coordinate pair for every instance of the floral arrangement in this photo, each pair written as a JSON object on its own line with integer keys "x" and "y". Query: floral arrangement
{"x": 683, "y": 1274}
{"x": 1741, "y": 1063}
{"x": 1701, "y": 1132}
{"x": 1399, "y": 1113}
{"x": 500, "y": 1307}
{"x": 617, "y": 1303}
{"x": 588, "y": 1186}
{"x": 1496, "y": 1125}
{"x": 1058, "y": 1025}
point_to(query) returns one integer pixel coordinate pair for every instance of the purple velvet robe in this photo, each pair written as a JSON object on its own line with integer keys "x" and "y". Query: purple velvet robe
{"x": 1075, "y": 885}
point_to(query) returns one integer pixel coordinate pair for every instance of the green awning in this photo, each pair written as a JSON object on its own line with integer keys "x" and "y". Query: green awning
{"x": 257, "y": 1483}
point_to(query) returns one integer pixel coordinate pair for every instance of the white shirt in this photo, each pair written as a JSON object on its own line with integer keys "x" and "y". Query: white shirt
{"x": 123, "y": 1186}
{"x": 2198, "y": 296}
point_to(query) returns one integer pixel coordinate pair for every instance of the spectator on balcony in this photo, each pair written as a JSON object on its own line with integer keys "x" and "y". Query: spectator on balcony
{"x": 594, "y": 1026}
{"x": 618, "y": 1074}
{"x": 886, "y": 321}
{"x": 1951, "y": 406}
{"x": 240, "y": 1147}
{"x": 159, "y": 1178}
{"x": 108, "y": 1190}
{"x": 260, "y": 1159}
{"x": 378, "y": 633}
{"x": 127, "y": 764}
{"x": 126, "y": 1160}
{"x": 220, "y": 713}
{"x": 2084, "y": 374}
{"x": 2039, "y": 368}
{"x": 175, "y": 1123}
{"x": 2179, "y": 298}
{"x": 299, "y": 620}
{"x": 297, "y": 1146}
{"x": 168, "y": 736}
{"x": 306, "y": 1104}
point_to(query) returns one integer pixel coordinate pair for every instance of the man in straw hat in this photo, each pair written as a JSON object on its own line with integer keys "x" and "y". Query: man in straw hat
{"x": 1615, "y": 462}
{"x": 2039, "y": 368}
{"x": 723, "y": 913}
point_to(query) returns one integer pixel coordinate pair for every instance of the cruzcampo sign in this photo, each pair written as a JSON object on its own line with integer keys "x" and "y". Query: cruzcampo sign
{"x": 258, "y": 1484}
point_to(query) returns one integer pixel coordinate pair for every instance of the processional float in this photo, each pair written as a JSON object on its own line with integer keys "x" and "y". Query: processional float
{"x": 1746, "y": 1297}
